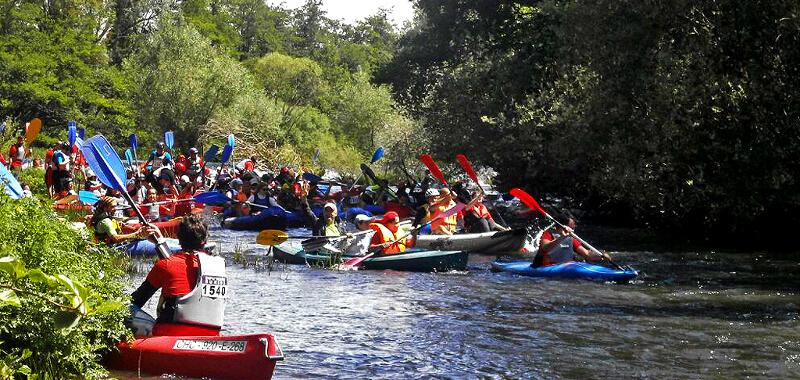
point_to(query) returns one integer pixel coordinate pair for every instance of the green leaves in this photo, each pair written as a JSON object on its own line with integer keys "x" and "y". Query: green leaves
{"x": 9, "y": 297}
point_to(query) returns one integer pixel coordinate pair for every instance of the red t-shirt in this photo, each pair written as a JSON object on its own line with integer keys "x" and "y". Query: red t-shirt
{"x": 175, "y": 275}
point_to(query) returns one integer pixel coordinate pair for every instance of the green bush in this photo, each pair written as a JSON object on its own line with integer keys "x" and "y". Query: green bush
{"x": 38, "y": 334}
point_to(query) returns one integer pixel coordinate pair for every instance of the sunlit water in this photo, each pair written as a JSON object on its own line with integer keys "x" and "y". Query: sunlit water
{"x": 689, "y": 315}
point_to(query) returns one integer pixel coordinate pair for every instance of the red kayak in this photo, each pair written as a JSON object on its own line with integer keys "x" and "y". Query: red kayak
{"x": 231, "y": 357}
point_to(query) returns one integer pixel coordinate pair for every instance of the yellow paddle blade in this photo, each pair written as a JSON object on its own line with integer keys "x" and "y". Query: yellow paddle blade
{"x": 33, "y": 129}
{"x": 271, "y": 237}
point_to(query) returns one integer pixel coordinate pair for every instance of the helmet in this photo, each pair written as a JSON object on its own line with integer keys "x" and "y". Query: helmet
{"x": 193, "y": 150}
{"x": 431, "y": 193}
{"x": 236, "y": 183}
{"x": 160, "y": 145}
{"x": 180, "y": 167}
{"x": 66, "y": 145}
{"x": 185, "y": 179}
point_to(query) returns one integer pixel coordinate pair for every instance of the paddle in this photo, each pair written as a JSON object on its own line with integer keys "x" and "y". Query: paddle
{"x": 82, "y": 133}
{"x": 3, "y": 127}
{"x": 316, "y": 157}
{"x": 382, "y": 183}
{"x": 311, "y": 177}
{"x": 12, "y": 186}
{"x": 106, "y": 164}
{"x": 210, "y": 154}
{"x": 377, "y": 155}
{"x": 72, "y": 132}
{"x": 350, "y": 263}
{"x": 88, "y": 197}
{"x": 529, "y": 201}
{"x": 32, "y": 130}
{"x": 428, "y": 161}
{"x": 134, "y": 146}
{"x": 169, "y": 140}
{"x": 129, "y": 158}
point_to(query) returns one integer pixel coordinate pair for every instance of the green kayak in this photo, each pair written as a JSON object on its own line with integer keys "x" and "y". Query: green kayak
{"x": 412, "y": 260}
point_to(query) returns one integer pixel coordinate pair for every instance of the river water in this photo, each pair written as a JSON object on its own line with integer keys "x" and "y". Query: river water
{"x": 689, "y": 315}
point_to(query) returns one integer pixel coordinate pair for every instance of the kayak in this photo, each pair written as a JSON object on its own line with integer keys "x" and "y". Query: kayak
{"x": 294, "y": 254}
{"x": 144, "y": 247}
{"x": 234, "y": 357}
{"x": 569, "y": 270}
{"x": 412, "y": 260}
{"x": 273, "y": 218}
{"x": 486, "y": 242}
{"x": 419, "y": 260}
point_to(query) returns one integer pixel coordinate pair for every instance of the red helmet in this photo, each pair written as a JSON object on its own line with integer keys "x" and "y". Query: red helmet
{"x": 180, "y": 167}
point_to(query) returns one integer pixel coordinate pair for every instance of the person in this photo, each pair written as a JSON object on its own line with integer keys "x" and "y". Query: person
{"x": 18, "y": 152}
{"x": 158, "y": 158}
{"x": 386, "y": 239}
{"x": 329, "y": 224}
{"x": 261, "y": 197}
{"x": 61, "y": 166}
{"x": 423, "y": 212}
{"x": 193, "y": 285}
{"x": 194, "y": 164}
{"x": 444, "y": 226}
{"x": 106, "y": 228}
{"x": 363, "y": 221}
{"x": 559, "y": 246}
{"x": 478, "y": 219}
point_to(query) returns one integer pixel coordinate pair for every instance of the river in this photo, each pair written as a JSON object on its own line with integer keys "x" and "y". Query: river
{"x": 689, "y": 315}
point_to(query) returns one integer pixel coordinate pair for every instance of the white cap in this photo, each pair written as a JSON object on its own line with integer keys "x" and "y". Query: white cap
{"x": 360, "y": 218}
{"x": 431, "y": 193}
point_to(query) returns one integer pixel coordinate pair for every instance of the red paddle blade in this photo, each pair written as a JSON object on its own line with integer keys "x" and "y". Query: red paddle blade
{"x": 527, "y": 200}
{"x": 467, "y": 166}
{"x": 428, "y": 161}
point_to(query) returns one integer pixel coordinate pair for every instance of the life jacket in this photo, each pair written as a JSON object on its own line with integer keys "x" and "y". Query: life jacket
{"x": 63, "y": 158}
{"x": 103, "y": 237}
{"x": 561, "y": 253}
{"x": 205, "y": 304}
{"x": 160, "y": 160}
{"x": 385, "y": 235}
{"x": 444, "y": 226}
{"x": 261, "y": 201}
{"x": 194, "y": 167}
{"x": 18, "y": 152}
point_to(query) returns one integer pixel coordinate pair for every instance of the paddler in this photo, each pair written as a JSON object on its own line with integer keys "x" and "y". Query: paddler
{"x": 193, "y": 285}
{"x": 444, "y": 226}
{"x": 106, "y": 228}
{"x": 18, "y": 152}
{"x": 477, "y": 217}
{"x": 386, "y": 238}
{"x": 559, "y": 246}
{"x": 329, "y": 223}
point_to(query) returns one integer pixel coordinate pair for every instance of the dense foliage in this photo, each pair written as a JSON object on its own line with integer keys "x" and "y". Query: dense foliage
{"x": 286, "y": 82}
{"x": 61, "y": 296}
{"x": 682, "y": 113}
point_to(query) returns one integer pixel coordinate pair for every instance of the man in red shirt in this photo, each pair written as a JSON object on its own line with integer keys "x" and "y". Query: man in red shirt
{"x": 193, "y": 285}
{"x": 17, "y": 153}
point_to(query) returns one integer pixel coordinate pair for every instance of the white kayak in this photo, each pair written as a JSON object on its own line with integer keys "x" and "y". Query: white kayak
{"x": 499, "y": 242}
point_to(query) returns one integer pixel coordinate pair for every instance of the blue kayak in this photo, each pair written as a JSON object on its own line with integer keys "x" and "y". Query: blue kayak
{"x": 570, "y": 270}
{"x": 144, "y": 247}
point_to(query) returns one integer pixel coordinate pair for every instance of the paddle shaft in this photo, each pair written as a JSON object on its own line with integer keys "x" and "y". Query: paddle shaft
{"x": 578, "y": 238}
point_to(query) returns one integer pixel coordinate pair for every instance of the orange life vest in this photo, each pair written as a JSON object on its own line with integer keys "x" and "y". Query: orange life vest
{"x": 384, "y": 235}
{"x": 443, "y": 226}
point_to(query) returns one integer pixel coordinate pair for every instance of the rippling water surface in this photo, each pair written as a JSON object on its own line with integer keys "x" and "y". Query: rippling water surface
{"x": 690, "y": 315}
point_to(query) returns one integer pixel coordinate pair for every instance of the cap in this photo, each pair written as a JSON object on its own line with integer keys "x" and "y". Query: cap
{"x": 391, "y": 215}
{"x": 361, "y": 218}
{"x": 193, "y": 150}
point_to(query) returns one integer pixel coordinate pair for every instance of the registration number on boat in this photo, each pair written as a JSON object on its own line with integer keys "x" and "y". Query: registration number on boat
{"x": 214, "y": 286}
{"x": 210, "y": 345}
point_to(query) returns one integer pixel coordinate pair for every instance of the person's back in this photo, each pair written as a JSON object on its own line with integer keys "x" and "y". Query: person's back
{"x": 193, "y": 286}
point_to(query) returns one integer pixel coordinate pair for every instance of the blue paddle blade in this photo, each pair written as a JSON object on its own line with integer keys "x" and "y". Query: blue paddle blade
{"x": 12, "y": 186}
{"x": 311, "y": 177}
{"x": 134, "y": 143}
{"x": 72, "y": 133}
{"x": 82, "y": 133}
{"x": 226, "y": 153}
{"x": 211, "y": 153}
{"x": 88, "y": 197}
{"x": 105, "y": 162}
{"x": 169, "y": 139}
{"x": 231, "y": 141}
{"x": 377, "y": 155}
{"x": 129, "y": 157}
{"x": 3, "y": 127}
{"x": 79, "y": 142}
{"x": 212, "y": 198}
